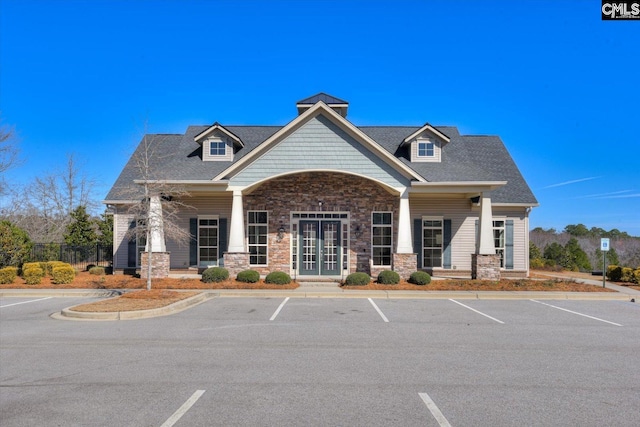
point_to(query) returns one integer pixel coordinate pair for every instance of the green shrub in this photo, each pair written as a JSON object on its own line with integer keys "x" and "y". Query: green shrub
{"x": 388, "y": 277}
{"x": 248, "y": 276}
{"x": 215, "y": 275}
{"x": 636, "y": 276}
{"x": 357, "y": 279}
{"x": 33, "y": 275}
{"x": 8, "y": 275}
{"x": 614, "y": 273}
{"x": 627, "y": 275}
{"x": 278, "y": 278}
{"x": 97, "y": 271}
{"x": 420, "y": 278}
{"x": 63, "y": 274}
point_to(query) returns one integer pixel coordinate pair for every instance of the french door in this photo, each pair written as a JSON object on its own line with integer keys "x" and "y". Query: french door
{"x": 320, "y": 249}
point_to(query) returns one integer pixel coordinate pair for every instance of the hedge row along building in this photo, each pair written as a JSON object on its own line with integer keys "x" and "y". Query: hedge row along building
{"x": 322, "y": 197}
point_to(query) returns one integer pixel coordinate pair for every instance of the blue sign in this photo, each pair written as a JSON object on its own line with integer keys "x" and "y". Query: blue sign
{"x": 604, "y": 244}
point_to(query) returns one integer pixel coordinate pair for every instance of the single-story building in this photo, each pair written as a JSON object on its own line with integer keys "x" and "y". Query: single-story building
{"x": 321, "y": 197}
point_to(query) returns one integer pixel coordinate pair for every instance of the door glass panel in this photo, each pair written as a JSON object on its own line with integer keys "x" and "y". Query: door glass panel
{"x": 331, "y": 234}
{"x": 309, "y": 239}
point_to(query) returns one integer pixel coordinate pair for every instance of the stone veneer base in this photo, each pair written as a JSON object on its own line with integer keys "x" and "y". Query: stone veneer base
{"x": 405, "y": 264}
{"x": 235, "y": 262}
{"x": 485, "y": 267}
{"x": 160, "y": 265}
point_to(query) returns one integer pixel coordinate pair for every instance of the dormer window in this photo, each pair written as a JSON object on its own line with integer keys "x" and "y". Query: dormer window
{"x": 217, "y": 148}
{"x": 426, "y": 149}
{"x": 426, "y": 144}
{"x": 218, "y": 144}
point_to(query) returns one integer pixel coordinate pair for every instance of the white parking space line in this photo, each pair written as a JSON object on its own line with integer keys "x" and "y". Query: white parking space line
{"x": 479, "y": 312}
{"x": 379, "y": 311}
{"x": 434, "y": 410}
{"x": 25, "y": 302}
{"x": 279, "y": 308}
{"x": 575, "y": 312}
{"x": 183, "y": 409}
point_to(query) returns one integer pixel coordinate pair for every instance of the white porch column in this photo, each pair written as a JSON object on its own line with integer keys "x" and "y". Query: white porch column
{"x": 156, "y": 226}
{"x": 486, "y": 245}
{"x": 404, "y": 225}
{"x": 236, "y": 237}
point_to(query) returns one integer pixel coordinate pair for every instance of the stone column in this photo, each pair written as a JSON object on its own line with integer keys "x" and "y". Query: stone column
{"x": 405, "y": 261}
{"x": 236, "y": 259}
{"x": 485, "y": 263}
{"x": 236, "y": 237}
{"x": 156, "y": 227}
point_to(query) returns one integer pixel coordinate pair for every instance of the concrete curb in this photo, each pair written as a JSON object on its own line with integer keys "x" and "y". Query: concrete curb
{"x": 176, "y": 307}
{"x": 62, "y": 293}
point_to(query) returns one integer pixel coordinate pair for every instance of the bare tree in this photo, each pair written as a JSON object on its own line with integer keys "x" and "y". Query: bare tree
{"x": 156, "y": 202}
{"x": 8, "y": 152}
{"x": 44, "y": 207}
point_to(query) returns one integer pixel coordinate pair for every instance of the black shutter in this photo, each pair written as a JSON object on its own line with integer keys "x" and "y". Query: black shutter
{"x": 508, "y": 245}
{"x": 223, "y": 244}
{"x": 193, "y": 243}
{"x": 417, "y": 240}
{"x": 446, "y": 244}
{"x": 132, "y": 256}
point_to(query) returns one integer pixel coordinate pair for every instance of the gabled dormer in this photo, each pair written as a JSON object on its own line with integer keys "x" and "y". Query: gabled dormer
{"x": 218, "y": 144}
{"x": 336, "y": 104}
{"x": 425, "y": 144}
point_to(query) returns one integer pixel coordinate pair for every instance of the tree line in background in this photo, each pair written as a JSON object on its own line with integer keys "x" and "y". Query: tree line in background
{"x": 577, "y": 248}
{"x": 55, "y": 208}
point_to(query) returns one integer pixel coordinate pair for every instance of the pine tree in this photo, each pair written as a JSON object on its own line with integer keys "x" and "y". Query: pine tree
{"x": 81, "y": 230}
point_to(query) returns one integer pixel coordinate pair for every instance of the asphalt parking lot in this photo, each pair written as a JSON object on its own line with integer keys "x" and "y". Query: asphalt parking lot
{"x": 325, "y": 362}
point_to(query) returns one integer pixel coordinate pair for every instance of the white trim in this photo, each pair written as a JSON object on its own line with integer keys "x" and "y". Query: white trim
{"x": 393, "y": 190}
{"x": 426, "y": 127}
{"x": 217, "y": 126}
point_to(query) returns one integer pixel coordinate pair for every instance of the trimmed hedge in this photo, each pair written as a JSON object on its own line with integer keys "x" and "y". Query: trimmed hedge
{"x": 50, "y": 265}
{"x": 8, "y": 275}
{"x": 278, "y": 278}
{"x": 215, "y": 275}
{"x": 32, "y": 275}
{"x": 420, "y": 278}
{"x": 357, "y": 279}
{"x": 97, "y": 271}
{"x": 388, "y": 277}
{"x": 248, "y": 276}
{"x": 63, "y": 274}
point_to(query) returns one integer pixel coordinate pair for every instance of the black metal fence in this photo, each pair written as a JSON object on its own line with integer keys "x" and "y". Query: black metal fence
{"x": 79, "y": 257}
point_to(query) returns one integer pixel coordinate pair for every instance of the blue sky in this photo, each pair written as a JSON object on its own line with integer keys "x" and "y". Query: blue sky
{"x": 554, "y": 81}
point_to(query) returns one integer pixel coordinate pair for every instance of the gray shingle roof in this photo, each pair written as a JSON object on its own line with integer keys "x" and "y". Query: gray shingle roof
{"x": 327, "y": 99}
{"x": 464, "y": 158}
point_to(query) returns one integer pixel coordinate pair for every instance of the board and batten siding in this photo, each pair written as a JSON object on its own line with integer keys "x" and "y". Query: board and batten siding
{"x": 219, "y": 204}
{"x": 463, "y": 228}
{"x": 319, "y": 145}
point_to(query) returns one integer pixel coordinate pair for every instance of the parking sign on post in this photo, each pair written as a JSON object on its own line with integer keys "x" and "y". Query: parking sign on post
{"x": 604, "y": 247}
